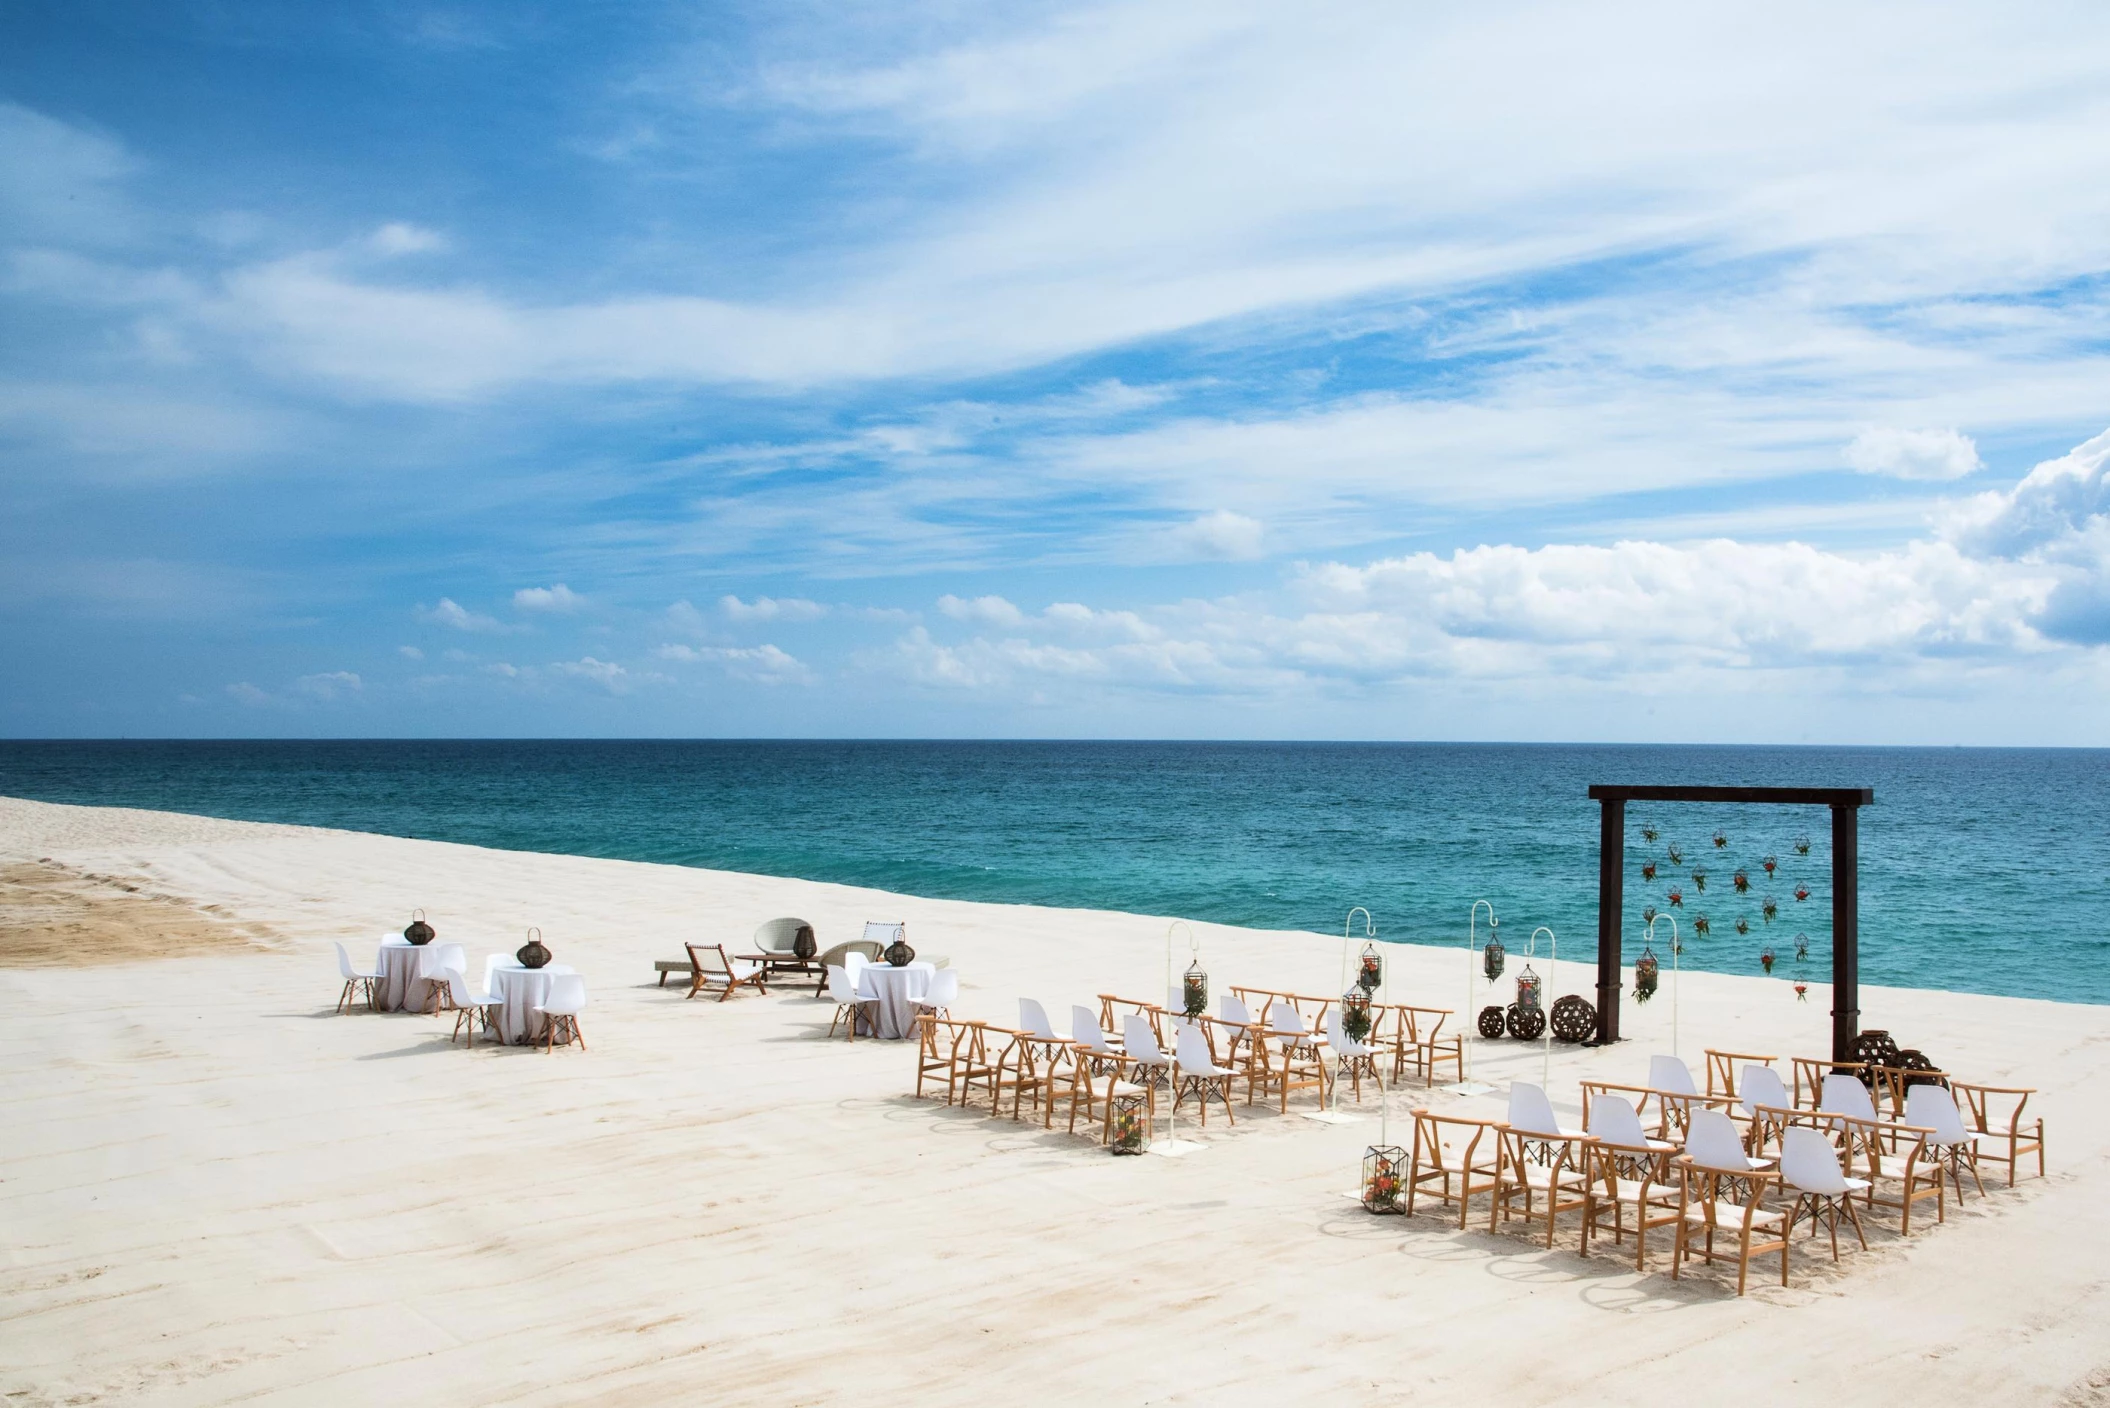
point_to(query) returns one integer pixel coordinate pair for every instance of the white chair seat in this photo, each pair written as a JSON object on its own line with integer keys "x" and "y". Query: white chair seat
{"x": 1538, "y": 1176}
{"x": 1653, "y": 1194}
{"x": 1729, "y": 1217}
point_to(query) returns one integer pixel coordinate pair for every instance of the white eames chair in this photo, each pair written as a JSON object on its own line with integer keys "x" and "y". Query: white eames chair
{"x": 849, "y": 1007}
{"x": 1530, "y": 1112}
{"x": 1199, "y": 1074}
{"x": 1809, "y": 1168}
{"x": 1089, "y": 1035}
{"x": 1711, "y": 1141}
{"x": 1671, "y": 1074}
{"x": 1933, "y": 1108}
{"x": 1612, "y": 1120}
{"x": 1845, "y": 1095}
{"x": 1353, "y": 1058}
{"x": 560, "y": 1011}
{"x": 1761, "y": 1086}
{"x": 1150, "y": 1065}
{"x": 355, "y": 982}
{"x": 1723, "y": 1193}
{"x": 433, "y": 966}
{"x": 944, "y": 991}
{"x": 469, "y": 1007}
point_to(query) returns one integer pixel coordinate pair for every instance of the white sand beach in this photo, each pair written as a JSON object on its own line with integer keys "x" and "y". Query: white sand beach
{"x": 215, "y": 1189}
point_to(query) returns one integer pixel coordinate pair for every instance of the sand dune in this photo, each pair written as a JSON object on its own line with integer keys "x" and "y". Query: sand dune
{"x": 215, "y": 1190}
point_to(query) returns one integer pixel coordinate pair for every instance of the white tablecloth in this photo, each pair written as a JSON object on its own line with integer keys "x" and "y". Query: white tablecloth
{"x": 400, "y": 989}
{"x": 523, "y": 990}
{"x": 893, "y": 993}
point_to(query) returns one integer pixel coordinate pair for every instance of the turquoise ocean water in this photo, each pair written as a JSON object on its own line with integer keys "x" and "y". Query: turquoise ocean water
{"x": 1983, "y": 870}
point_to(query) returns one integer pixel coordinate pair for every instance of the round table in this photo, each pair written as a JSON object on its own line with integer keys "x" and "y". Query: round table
{"x": 893, "y": 993}
{"x": 402, "y": 986}
{"x": 520, "y": 991}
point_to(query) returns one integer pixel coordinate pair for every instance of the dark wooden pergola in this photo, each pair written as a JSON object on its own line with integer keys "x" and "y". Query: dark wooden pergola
{"x": 1846, "y": 804}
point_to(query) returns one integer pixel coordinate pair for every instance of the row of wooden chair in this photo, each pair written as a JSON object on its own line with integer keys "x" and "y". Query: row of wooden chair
{"x": 980, "y": 1063}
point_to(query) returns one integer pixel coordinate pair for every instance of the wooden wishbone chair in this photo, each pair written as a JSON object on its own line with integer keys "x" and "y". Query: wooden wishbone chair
{"x": 1986, "y": 1111}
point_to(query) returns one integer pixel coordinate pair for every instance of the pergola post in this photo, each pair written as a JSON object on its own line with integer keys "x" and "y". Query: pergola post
{"x": 1611, "y": 900}
{"x": 1846, "y": 930}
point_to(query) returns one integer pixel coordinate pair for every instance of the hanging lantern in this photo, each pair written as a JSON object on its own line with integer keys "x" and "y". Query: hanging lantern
{"x": 1802, "y": 992}
{"x": 1648, "y": 870}
{"x": 1528, "y": 989}
{"x": 1699, "y": 881}
{"x": 1721, "y": 840}
{"x": 1769, "y": 909}
{"x": 1491, "y": 959}
{"x": 1371, "y": 973}
{"x": 1384, "y": 1178}
{"x": 1648, "y": 914}
{"x": 1771, "y": 863}
{"x": 1677, "y": 898}
{"x": 1677, "y": 857}
{"x": 1646, "y": 970}
{"x": 419, "y": 933}
{"x": 1741, "y": 880}
{"x": 1700, "y": 925}
{"x": 1649, "y": 834}
{"x": 1802, "y": 892}
{"x": 1766, "y": 956}
{"x": 1194, "y": 989}
{"x": 1802, "y": 947}
{"x": 1128, "y": 1123}
{"x": 1743, "y": 925}
{"x": 1802, "y": 845}
{"x": 1355, "y": 1014}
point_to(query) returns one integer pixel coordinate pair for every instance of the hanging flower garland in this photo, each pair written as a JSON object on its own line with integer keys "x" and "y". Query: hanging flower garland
{"x": 1802, "y": 947}
{"x": 1649, "y": 834}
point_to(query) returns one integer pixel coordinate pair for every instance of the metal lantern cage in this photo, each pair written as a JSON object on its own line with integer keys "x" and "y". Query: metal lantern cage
{"x": 419, "y": 933}
{"x": 1526, "y": 1018}
{"x": 1384, "y": 1178}
{"x": 1128, "y": 1123}
{"x": 1646, "y": 972}
{"x": 1491, "y": 959}
{"x": 1355, "y": 1014}
{"x": 1370, "y": 973}
{"x": 1194, "y": 989}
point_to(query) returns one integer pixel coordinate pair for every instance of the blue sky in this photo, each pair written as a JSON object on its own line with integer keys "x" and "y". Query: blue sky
{"x": 1199, "y": 371}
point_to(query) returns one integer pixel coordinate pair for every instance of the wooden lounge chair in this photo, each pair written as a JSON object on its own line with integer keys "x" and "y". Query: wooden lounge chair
{"x": 710, "y": 970}
{"x": 1986, "y": 1111}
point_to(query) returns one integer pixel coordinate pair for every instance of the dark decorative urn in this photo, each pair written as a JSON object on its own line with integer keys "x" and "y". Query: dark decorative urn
{"x": 898, "y": 952}
{"x": 533, "y": 953}
{"x": 804, "y": 945}
{"x": 419, "y": 933}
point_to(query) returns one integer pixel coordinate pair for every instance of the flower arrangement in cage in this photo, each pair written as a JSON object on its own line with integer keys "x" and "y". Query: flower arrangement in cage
{"x": 1646, "y": 972}
{"x": 1699, "y": 880}
{"x": 1802, "y": 892}
{"x": 1649, "y": 834}
{"x": 1802, "y": 992}
{"x": 1741, "y": 881}
{"x": 1677, "y": 857}
{"x": 1648, "y": 870}
{"x": 1771, "y": 864}
{"x": 1384, "y": 1178}
{"x": 1743, "y": 925}
{"x": 1194, "y": 989}
{"x": 1701, "y": 925}
{"x": 1769, "y": 909}
{"x": 1128, "y": 1123}
{"x": 1492, "y": 958}
{"x": 1370, "y": 973}
{"x": 1528, "y": 986}
{"x": 1676, "y": 897}
{"x": 1355, "y": 1014}
{"x": 1802, "y": 947}
{"x": 1802, "y": 845}
{"x": 1721, "y": 840}
{"x": 1766, "y": 958}
{"x": 1648, "y": 914}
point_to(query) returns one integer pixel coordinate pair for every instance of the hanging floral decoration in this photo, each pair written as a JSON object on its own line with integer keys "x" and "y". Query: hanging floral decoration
{"x": 1699, "y": 881}
{"x": 1649, "y": 834}
{"x": 1802, "y": 892}
{"x": 1721, "y": 840}
{"x": 1802, "y": 992}
{"x": 1700, "y": 925}
{"x": 1677, "y": 898}
{"x": 1648, "y": 870}
{"x": 1742, "y": 881}
{"x": 1491, "y": 958}
{"x": 1802, "y": 947}
{"x": 1771, "y": 863}
{"x": 1743, "y": 925}
{"x": 1769, "y": 908}
{"x": 1802, "y": 845}
{"x": 1371, "y": 972}
{"x": 1646, "y": 969}
{"x": 1766, "y": 957}
{"x": 1648, "y": 914}
{"x": 1528, "y": 989}
{"x": 1677, "y": 857}
{"x": 1355, "y": 1013}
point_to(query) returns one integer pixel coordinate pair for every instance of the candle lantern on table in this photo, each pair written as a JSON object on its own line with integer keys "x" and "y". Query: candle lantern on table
{"x": 898, "y": 954}
{"x": 534, "y": 953}
{"x": 419, "y": 933}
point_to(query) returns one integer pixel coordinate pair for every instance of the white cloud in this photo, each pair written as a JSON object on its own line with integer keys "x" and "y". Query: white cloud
{"x": 764, "y": 608}
{"x": 559, "y": 599}
{"x": 410, "y": 652}
{"x": 762, "y": 664}
{"x": 1221, "y": 534}
{"x": 501, "y": 669}
{"x": 398, "y": 238}
{"x": 687, "y": 620}
{"x": 451, "y": 613}
{"x": 1914, "y": 454}
{"x": 247, "y": 693}
{"x": 329, "y": 685}
{"x": 614, "y": 678}
{"x": 989, "y": 610}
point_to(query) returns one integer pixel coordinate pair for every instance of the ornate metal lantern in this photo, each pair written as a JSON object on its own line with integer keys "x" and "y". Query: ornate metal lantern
{"x": 1528, "y": 989}
{"x": 1743, "y": 925}
{"x": 1574, "y": 1019}
{"x": 1802, "y": 892}
{"x": 1649, "y": 834}
{"x": 1771, "y": 863}
{"x": 1128, "y": 1123}
{"x": 1677, "y": 856}
{"x": 1741, "y": 880}
{"x": 1194, "y": 989}
{"x": 898, "y": 953}
{"x": 1648, "y": 914}
{"x": 1371, "y": 972}
{"x": 1646, "y": 970}
{"x": 1648, "y": 870}
{"x": 1699, "y": 880}
{"x": 533, "y": 954}
{"x": 1802, "y": 947}
{"x": 1721, "y": 840}
{"x": 1767, "y": 957}
{"x": 1355, "y": 1014}
{"x": 1491, "y": 959}
{"x": 1384, "y": 1178}
{"x": 1769, "y": 909}
{"x": 1677, "y": 898}
{"x": 1490, "y": 1022}
{"x": 1701, "y": 925}
{"x": 804, "y": 945}
{"x": 419, "y": 933}
{"x": 1802, "y": 845}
